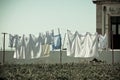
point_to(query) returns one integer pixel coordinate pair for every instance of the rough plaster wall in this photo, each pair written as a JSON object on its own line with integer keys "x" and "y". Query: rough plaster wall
{"x": 99, "y": 18}
{"x": 54, "y": 58}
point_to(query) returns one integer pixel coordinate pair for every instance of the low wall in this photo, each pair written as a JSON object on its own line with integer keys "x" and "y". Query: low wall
{"x": 55, "y": 58}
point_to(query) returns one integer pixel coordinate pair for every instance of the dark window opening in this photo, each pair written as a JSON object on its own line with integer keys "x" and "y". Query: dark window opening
{"x": 115, "y": 32}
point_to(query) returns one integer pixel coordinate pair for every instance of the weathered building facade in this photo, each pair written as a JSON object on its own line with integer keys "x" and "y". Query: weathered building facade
{"x": 108, "y": 21}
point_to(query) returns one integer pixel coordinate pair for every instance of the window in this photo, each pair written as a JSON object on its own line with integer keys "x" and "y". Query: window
{"x": 114, "y": 29}
{"x": 115, "y": 32}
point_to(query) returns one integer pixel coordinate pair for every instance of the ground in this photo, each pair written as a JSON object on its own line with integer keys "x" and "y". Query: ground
{"x": 66, "y": 71}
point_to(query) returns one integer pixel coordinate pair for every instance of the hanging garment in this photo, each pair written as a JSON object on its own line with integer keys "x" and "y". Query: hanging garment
{"x": 103, "y": 42}
{"x": 57, "y": 42}
{"x": 22, "y": 48}
{"x": 82, "y": 46}
{"x": 11, "y": 40}
{"x": 30, "y": 48}
{"x": 86, "y": 46}
{"x": 37, "y": 49}
{"x": 48, "y": 38}
{"x": 70, "y": 38}
{"x": 77, "y": 45}
{"x": 45, "y": 45}
{"x": 89, "y": 46}
{"x": 72, "y": 46}
{"x": 17, "y": 47}
{"x": 94, "y": 46}
{"x": 45, "y": 50}
{"x": 41, "y": 46}
{"x": 26, "y": 39}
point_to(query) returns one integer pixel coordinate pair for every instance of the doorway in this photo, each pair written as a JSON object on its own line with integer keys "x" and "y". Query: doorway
{"x": 115, "y": 30}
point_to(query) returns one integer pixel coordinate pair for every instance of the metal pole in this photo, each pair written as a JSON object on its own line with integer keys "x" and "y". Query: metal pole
{"x": 4, "y": 47}
{"x": 60, "y": 47}
{"x": 112, "y": 50}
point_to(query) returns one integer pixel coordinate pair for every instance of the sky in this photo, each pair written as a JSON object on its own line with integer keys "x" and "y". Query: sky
{"x": 35, "y": 16}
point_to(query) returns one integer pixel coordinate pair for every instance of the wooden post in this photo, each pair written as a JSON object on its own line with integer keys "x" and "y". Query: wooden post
{"x": 64, "y": 41}
{"x": 4, "y": 47}
{"x": 60, "y": 47}
{"x": 112, "y": 50}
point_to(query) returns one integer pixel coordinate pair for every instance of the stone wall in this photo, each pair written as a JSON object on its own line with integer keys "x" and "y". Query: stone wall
{"x": 105, "y": 56}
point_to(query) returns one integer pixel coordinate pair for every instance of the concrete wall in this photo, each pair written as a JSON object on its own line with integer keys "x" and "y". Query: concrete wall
{"x": 99, "y": 18}
{"x": 54, "y": 58}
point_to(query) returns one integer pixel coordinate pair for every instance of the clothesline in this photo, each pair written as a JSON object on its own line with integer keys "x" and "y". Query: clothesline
{"x": 33, "y": 47}
{"x": 78, "y": 45}
{"x": 87, "y": 45}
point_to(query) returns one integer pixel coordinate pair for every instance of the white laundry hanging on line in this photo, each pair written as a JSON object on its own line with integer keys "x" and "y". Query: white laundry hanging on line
{"x": 70, "y": 38}
{"x": 94, "y": 47}
{"x": 48, "y": 42}
{"x": 45, "y": 45}
{"x": 90, "y": 45}
{"x": 30, "y": 47}
{"x": 11, "y": 40}
{"x": 74, "y": 43}
{"x": 22, "y": 48}
{"x": 79, "y": 46}
{"x": 45, "y": 50}
{"x": 103, "y": 41}
{"x": 49, "y": 38}
{"x": 42, "y": 45}
{"x": 56, "y": 42}
{"x": 17, "y": 47}
{"x": 37, "y": 49}
{"x": 26, "y": 41}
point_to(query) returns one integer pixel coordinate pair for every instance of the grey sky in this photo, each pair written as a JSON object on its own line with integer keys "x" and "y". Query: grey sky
{"x": 34, "y": 16}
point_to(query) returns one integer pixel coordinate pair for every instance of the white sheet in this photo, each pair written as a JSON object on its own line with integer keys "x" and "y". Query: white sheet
{"x": 82, "y": 45}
